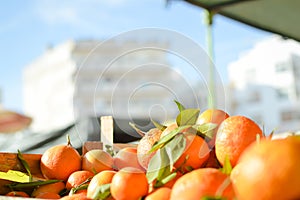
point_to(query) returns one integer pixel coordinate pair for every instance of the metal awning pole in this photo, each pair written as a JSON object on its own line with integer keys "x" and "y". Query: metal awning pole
{"x": 209, "y": 42}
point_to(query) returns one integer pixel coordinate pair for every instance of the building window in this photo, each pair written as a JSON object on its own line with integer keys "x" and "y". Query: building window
{"x": 282, "y": 93}
{"x": 282, "y": 67}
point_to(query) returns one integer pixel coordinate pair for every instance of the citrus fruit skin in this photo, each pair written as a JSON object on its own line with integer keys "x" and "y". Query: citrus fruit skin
{"x": 77, "y": 196}
{"x": 201, "y": 183}
{"x": 103, "y": 177}
{"x": 127, "y": 157}
{"x": 97, "y": 160}
{"x": 77, "y": 178}
{"x": 268, "y": 170}
{"x": 144, "y": 146}
{"x": 195, "y": 154}
{"x": 129, "y": 184}
{"x": 48, "y": 195}
{"x": 215, "y": 116}
{"x": 59, "y": 161}
{"x": 50, "y": 188}
{"x": 234, "y": 135}
{"x": 17, "y": 194}
{"x": 162, "y": 193}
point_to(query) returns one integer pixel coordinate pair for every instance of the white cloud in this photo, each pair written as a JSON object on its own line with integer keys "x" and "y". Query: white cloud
{"x": 94, "y": 16}
{"x": 74, "y": 12}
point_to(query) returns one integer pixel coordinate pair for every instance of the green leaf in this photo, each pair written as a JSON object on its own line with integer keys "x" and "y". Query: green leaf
{"x": 158, "y": 125}
{"x": 25, "y": 164}
{"x": 206, "y": 130}
{"x": 175, "y": 148}
{"x": 179, "y": 106}
{"x": 31, "y": 184}
{"x": 187, "y": 117}
{"x": 227, "y": 167}
{"x": 161, "y": 164}
{"x": 102, "y": 192}
{"x": 213, "y": 198}
{"x": 271, "y": 134}
{"x": 81, "y": 186}
{"x": 165, "y": 171}
{"x": 167, "y": 138}
{"x": 158, "y": 164}
{"x": 165, "y": 180}
{"x": 169, "y": 178}
{"x": 15, "y": 176}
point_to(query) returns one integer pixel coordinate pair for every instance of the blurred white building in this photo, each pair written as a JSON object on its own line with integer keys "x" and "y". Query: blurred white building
{"x": 78, "y": 79}
{"x": 265, "y": 84}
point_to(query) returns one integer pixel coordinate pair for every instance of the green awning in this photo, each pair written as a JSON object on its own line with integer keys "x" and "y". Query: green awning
{"x": 276, "y": 16}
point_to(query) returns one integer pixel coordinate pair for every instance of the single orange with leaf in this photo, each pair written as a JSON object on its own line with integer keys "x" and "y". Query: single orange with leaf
{"x": 203, "y": 182}
{"x": 215, "y": 116}
{"x": 77, "y": 178}
{"x": 195, "y": 154}
{"x": 100, "y": 179}
{"x": 234, "y": 135}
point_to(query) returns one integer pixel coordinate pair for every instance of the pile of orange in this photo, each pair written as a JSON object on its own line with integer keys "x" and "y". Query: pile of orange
{"x": 208, "y": 156}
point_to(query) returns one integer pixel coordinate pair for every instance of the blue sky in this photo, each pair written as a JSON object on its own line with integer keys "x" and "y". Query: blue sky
{"x": 27, "y": 27}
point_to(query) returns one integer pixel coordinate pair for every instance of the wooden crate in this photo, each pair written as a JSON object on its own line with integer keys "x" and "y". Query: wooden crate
{"x": 10, "y": 161}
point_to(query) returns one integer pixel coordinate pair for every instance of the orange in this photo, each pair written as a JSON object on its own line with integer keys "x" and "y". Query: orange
{"x": 268, "y": 170}
{"x": 17, "y": 194}
{"x": 52, "y": 188}
{"x": 195, "y": 154}
{"x": 48, "y": 195}
{"x": 79, "y": 196}
{"x": 234, "y": 135}
{"x": 202, "y": 182}
{"x": 127, "y": 157}
{"x": 97, "y": 160}
{"x": 162, "y": 193}
{"x": 101, "y": 178}
{"x": 145, "y": 144}
{"x": 59, "y": 161}
{"x": 77, "y": 178}
{"x": 129, "y": 184}
{"x": 215, "y": 116}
